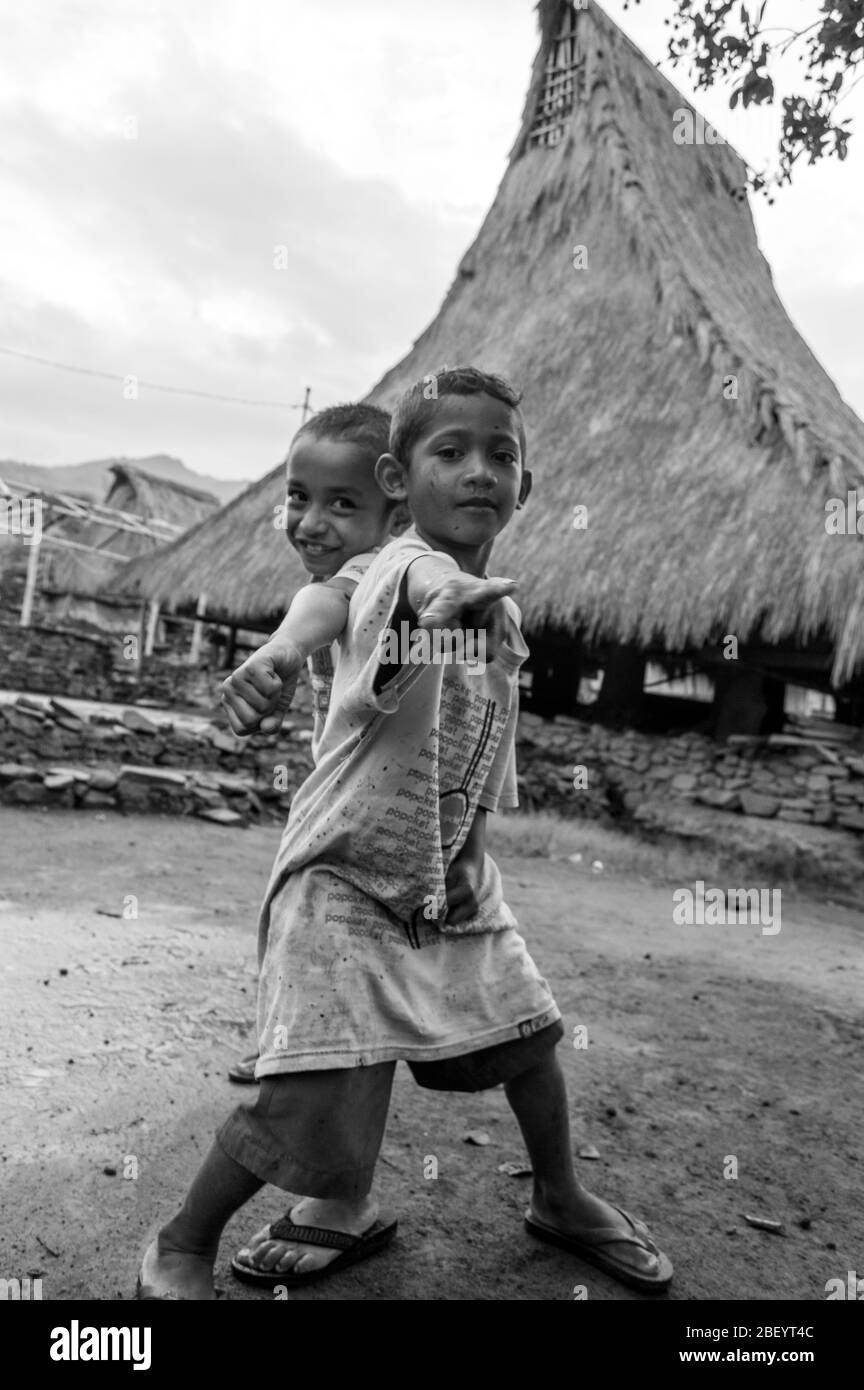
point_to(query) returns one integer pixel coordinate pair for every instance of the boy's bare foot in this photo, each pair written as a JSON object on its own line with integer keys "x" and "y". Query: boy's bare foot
{"x": 169, "y": 1273}
{"x": 584, "y": 1212}
{"x": 291, "y": 1256}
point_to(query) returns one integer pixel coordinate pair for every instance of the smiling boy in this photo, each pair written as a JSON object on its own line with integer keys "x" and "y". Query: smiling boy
{"x": 384, "y": 934}
{"x": 336, "y": 518}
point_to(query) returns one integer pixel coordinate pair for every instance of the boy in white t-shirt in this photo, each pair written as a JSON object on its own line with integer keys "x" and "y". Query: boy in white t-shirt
{"x": 384, "y": 934}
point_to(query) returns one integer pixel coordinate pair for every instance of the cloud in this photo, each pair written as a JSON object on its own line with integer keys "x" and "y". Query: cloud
{"x": 158, "y": 255}
{"x": 366, "y": 140}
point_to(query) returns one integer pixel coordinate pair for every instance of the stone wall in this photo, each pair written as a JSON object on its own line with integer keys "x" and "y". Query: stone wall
{"x": 129, "y": 758}
{"x": 790, "y": 776}
{"x": 51, "y": 755}
{"x": 89, "y": 666}
{"x": 56, "y": 662}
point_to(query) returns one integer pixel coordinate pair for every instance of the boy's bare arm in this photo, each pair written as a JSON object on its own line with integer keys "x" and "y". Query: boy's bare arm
{"x": 317, "y": 616}
{"x": 466, "y": 872}
{"x": 259, "y": 692}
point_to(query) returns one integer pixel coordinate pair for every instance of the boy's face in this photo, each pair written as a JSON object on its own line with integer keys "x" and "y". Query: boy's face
{"x": 335, "y": 508}
{"x": 464, "y": 477}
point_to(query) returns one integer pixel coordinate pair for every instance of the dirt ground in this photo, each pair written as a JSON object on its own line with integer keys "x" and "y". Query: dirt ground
{"x": 705, "y": 1043}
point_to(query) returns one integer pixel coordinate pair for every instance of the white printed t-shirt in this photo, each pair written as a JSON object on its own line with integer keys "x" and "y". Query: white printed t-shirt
{"x": 322, "y": 664}
{"x": 358, "y": 964}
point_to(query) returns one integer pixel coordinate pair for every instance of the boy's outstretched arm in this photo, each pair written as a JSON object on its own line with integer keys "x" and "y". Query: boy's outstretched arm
{"x": 442, "y": 595}
{"x": 259, "y": 692}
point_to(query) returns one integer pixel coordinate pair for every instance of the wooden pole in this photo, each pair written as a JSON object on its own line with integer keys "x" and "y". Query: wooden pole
{"x": 306, "y": 410}
{"x": 198, "y": 630}
{"x": 142, "y": 637}
{"x": 621, "y": 696}
{"x": 30, "y": 583}
{"x": 152, "y": 624}
{"x": 746, "y": 701}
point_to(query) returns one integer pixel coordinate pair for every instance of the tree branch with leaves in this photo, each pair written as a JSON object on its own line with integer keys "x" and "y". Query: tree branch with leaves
{"x": 726, "y": 41}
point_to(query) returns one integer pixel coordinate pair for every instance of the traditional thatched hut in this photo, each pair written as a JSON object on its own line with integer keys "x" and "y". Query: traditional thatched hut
{"x": 617, "y": 276}
{"x": 76, "y": 572}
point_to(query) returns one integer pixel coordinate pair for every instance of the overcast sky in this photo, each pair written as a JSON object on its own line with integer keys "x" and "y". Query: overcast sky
{"x": 152, "y": 157}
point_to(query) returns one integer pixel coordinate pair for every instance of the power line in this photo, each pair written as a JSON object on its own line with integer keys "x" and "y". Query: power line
{"x": 154, "y": 386}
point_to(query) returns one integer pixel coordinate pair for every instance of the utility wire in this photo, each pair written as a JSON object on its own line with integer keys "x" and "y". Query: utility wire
{"x": 151, "y": 385}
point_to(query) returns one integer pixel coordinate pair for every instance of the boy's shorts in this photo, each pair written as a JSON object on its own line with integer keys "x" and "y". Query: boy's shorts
{"x": 318, "y": 1133}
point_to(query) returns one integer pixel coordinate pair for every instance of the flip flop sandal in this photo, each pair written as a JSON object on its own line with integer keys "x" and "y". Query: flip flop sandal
{"x": 244, "y": 1071}
{"x": 353, "y": 1248}
{"x": 589, "y": 1243}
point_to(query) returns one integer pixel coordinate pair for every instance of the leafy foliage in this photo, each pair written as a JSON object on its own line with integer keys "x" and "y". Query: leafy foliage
{"x": 728, "y": 41}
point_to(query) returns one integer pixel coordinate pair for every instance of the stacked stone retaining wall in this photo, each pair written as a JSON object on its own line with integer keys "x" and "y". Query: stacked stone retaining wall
{"x": 51, "y": 753}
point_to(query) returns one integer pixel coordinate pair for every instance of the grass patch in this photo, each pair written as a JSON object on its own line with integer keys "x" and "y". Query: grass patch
{"x": 542, "y": 835}
{"x": 724, "y": 859}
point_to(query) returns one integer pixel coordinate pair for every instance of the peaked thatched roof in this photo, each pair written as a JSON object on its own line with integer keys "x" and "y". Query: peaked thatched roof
{"x": 152, "y": 495}
{"x": 138, "y": 494}
{"x": 705, "y": 514}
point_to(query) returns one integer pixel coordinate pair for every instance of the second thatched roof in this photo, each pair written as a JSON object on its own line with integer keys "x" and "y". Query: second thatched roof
{"x": 132, "y": 491}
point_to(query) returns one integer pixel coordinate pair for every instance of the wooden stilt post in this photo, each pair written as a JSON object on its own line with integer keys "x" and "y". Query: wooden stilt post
{"x": 621, "y": 695}
{"x": 198, "y": 630}
{"x": 231, "y": 648}
{"x": 30, "y": 583}
{"x": 746, "y": 701}
{"x": 556, "y": 665}
{"x": 849, "y": 703}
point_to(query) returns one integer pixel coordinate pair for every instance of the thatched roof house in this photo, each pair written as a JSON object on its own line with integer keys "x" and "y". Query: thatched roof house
{"x": 706, "y": 511}
{"x": 73, "y": 579}
{"x": 618, "y": 278}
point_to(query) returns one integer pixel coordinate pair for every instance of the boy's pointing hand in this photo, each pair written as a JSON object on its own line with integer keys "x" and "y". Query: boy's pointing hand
{"x": 259, "y": 692}
{"x": 462, "y": 600}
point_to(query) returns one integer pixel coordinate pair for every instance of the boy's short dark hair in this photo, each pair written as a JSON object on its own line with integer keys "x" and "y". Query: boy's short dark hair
{"x": 419, "y": 404}
{"x": 356, "y": 422}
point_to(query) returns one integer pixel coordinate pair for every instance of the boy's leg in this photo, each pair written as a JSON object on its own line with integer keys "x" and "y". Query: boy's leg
{"x": 179, "y": 1262}
{"x": 313, "y": 1132}
{"x": 329, "y": 1126}
{"x": 538, "y": 1098}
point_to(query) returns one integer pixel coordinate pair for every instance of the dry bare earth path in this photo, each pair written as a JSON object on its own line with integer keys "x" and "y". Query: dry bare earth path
{"x": 704, "y": 1043}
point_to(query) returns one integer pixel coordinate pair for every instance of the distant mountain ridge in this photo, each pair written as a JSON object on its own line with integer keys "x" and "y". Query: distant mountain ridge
{"x": 93, "y": 479}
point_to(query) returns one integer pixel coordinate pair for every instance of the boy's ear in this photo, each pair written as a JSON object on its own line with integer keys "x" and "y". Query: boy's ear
{"x": 524, "y": 488}
{"x": 390, "y": 477}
